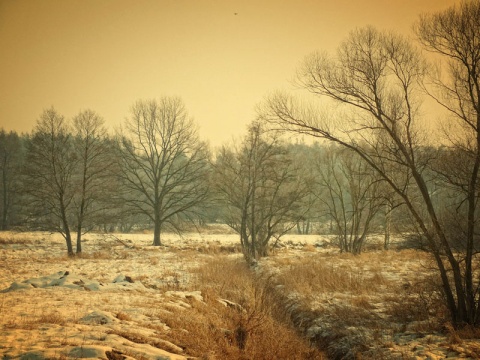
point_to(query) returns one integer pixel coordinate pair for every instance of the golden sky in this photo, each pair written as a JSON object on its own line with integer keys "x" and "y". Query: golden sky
{"x": 222, "y": 57}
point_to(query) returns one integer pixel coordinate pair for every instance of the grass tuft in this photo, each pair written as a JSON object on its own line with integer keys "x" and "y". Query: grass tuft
{"x": 235, "y": 321}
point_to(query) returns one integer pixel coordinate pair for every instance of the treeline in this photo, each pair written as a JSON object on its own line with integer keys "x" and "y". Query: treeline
{"x": 71, "y": 176}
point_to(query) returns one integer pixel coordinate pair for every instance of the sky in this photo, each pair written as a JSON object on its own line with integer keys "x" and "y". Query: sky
{"x": 221, "y": 57}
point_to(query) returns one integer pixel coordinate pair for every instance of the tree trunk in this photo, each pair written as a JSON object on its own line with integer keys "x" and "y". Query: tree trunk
{"x": 471, "y": 305}
{"x": 80, "y": 225}
{"x": 388, "y": 224}
{"x": 156, "y": 233}
{"x": 82, "y": 203}
{"x": 66, "y": 229}
{"x": 79, "y": 238}
{"x": 68, "y": 239}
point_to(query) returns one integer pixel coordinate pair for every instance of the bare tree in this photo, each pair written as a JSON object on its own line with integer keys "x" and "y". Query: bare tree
{"x": 93, "y": 181}
{"x": 259, "y": 183}
{"x": 304, "y": 157}
{"x": 353, "y": 196}
{"x": 164, "y": 164}
{"x": 50, "y": 168}
{"x": 375, "y": 76}
{"x": 455, "y": 35}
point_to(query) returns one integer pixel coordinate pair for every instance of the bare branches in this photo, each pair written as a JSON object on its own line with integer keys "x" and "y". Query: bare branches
{"x": 164, "y": 165}
{"x": 454, "y": 34}
{"x": 258, "y": 183}
{"x": 378, "y": 78}
{"x": 52, "y": 163}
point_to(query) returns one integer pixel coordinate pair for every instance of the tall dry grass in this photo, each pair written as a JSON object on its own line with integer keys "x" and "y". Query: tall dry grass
{"x": 314, "y": 275}
{"x": 236, "y": 320}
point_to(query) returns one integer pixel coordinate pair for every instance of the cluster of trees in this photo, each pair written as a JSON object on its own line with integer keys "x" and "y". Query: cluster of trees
{"x": 71, "y": 176}
{"x": 374, "y": 166}
{"x": 378, "y": 80}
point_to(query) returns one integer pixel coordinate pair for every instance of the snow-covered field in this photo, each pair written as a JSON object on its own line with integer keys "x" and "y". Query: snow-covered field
{"x": 73, "y": 308}
{"x": 112, "y": 302}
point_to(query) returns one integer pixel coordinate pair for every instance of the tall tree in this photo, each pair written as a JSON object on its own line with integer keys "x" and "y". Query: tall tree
{"x": 454, "y": 34}
{"x": 50, "y": 168}
{"x": 259, "y": 183}
{"x": 375, "y": 77}
{"x": 164, "y": 164}
{"x": 353, "y": 196}
{"x": 94, "y": 178}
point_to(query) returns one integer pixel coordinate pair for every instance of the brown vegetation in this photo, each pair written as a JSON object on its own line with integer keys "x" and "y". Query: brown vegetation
{"x": 192, "y": 298}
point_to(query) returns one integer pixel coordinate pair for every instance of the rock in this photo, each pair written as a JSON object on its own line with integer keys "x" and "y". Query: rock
{"x": 85, "y": 352}
{"x": 17, "y": 286}
{"x": 123, "y": 278}
{"x": 97, "y": 318}
{"x": 196, "y": 295}
{"x": 115, "y": 355}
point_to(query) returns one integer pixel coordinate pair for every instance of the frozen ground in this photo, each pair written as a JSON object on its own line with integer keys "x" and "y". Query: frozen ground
{"x": 114, "y": 299}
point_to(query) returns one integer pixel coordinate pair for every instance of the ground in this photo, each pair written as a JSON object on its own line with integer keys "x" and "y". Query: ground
{"x": 127, "y": 299}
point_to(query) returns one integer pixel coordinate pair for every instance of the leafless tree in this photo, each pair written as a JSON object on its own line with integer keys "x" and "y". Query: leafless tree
{"x": 259, "y": 183}
{"x": 68, "y": 173}
{"x": 375, "y": 77}
{"x": 93, "y": 180}
{"x": 50, "y": 168}
{"x": 304, "y": 157}
{"x": 454, "y": 34}
{"x": 164, "y": 164}
{"x": 353, "y": 196}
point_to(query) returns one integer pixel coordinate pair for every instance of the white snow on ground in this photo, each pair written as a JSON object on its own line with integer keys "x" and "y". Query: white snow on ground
{"x": 112, "y": 300}
{"x": 60, "y": 307}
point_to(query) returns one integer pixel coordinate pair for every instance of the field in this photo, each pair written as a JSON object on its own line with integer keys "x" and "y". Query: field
{"x": 195, "y": 298}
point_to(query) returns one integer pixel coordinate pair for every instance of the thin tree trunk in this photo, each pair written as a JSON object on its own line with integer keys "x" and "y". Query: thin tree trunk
{"x": 79, "y": 226}
{"x": 156, "y": 231}
{"x": 66, "y": 228}
{"x": 472, "y": 189}
{"x": 388, "y": 224}
{"x": 68, "y": 236}
{"x": 79, "y": 238}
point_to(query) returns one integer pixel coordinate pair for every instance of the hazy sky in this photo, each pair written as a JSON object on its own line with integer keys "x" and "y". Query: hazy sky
{"x": 222, "y": 57}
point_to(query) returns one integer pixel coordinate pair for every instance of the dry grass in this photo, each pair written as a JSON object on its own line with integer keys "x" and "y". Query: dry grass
{"x": 314, "y": 275}
{"x": 140, "y": 339}
{"x": 369, "y": 292}
{"x": 192, "y": 249}
{"x": 362, "y": 301}
{"x": 239, "y": 326}
{"x": 95, "y": 255}
{"x": 123, "y": 316}
{"x": 52, "y": 317}
{"x": 357, "y": 301}
{"x": 10, "y": 240}
{"x": 418, "y": 301}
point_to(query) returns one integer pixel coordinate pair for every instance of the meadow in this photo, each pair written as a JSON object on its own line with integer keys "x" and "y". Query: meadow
{"x": 196, "y": 298}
